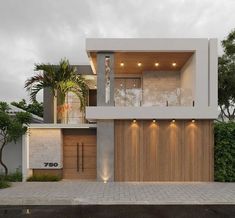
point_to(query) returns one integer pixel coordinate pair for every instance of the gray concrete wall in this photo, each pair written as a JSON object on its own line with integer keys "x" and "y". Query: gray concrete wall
{"x": 105, "y": 128}
{"x": 12, "y": 156}
{"x": 105, "y": 150}
{"x": 48, "y": 110}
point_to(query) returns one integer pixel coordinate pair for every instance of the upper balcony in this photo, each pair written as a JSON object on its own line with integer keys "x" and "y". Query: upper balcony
{"x": 154, "y": 78}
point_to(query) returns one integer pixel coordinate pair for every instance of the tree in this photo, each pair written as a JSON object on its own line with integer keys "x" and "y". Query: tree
{"x": 35, "y": 107}
{"x": 12, "y": 127}
{"x": 226, "y": 74}
{"x": 60, "y": 79}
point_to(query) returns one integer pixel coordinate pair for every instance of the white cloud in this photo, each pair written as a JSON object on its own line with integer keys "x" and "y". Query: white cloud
{"x": 34, "y": 31}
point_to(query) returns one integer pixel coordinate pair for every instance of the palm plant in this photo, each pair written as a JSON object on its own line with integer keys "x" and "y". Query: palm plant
{"x": 60, "y": 79}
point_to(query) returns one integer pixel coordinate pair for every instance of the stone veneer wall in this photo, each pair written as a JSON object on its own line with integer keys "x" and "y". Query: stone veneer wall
{"x": 45, "y": 146}
{"x": 159, "y": 87}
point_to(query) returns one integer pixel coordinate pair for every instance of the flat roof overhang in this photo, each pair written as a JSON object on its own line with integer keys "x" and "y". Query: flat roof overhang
{"x": 144, "y": 44}
{"x": 123, "y": 47}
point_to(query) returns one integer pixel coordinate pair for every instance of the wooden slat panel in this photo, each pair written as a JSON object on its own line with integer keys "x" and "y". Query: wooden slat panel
{"x": 180, "y": 151}
{"x": 127, "y": 151}
{"x": 150, "y": 151}
{"x": 148, "y": 60}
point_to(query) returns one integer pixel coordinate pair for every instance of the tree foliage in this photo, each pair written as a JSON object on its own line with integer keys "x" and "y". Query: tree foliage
{"x": 61, "y": 79}
{"x": 12, "y": 127}
{"x": 226, "y": 73}
{"x": 35, "y": 107}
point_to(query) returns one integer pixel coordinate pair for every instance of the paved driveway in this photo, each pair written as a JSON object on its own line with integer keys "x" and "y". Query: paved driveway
{"x": 76, "y": 193}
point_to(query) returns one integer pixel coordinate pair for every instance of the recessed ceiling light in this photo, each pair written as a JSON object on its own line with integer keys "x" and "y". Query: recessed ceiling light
{"x": 173, "y": 121}
{"x": 174, "y": 64}
{"x": 154, "y": 120}
{"x": 139, "y": 64}
{"x": 122, "y": 64}
{"x": 134, "y": 121}
{"x": 193, "y": 121}
{"x": 156, "y": 64}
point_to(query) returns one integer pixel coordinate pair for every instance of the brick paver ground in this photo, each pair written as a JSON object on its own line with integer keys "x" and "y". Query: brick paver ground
{"x": 75, "y": 193}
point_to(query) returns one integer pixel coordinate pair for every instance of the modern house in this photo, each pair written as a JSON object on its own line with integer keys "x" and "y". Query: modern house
{"x": 149, "y": 117}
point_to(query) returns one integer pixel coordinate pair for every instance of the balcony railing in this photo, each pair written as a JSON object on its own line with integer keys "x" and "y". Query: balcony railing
{"x": 146, "y": 98}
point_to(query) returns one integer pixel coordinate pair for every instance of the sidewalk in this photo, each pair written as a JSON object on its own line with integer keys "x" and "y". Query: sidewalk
{"x": 87, "y": 193}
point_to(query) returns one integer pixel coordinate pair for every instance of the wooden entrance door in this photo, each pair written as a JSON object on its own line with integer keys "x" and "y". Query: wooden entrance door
{"x": 79, "y": 154}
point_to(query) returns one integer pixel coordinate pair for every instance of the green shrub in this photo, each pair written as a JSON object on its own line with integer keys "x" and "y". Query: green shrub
{"x": 44, "y": 178}
{"x": 4, "y": 184}
{"x": 12, "y": 177}
{"x": 225, "y": 152}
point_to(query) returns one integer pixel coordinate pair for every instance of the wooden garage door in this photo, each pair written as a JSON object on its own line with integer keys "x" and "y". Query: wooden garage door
{"x": 164, "y": 151}
{"x": 79, "y": 154}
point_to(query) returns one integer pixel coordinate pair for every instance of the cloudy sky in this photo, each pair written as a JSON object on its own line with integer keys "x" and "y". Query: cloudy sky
{"x": 33, "y": 31}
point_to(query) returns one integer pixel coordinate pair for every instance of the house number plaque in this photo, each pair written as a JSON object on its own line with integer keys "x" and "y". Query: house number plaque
{"x": 51, "y": 164}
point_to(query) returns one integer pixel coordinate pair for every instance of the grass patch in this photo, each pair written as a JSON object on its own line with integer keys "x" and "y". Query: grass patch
{"x": 44, "y": 178}
{"x": 4, "y": 184}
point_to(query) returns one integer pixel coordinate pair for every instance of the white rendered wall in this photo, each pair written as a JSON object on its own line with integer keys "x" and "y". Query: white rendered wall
{"x": 187, "y": 79}
{"x": 12, "y": 156}
{"x": 155, "y": 112}
{"x": 213, "y": 73}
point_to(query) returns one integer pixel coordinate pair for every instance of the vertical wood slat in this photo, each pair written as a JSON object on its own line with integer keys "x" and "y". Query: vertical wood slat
{"x": 180, "y": 151}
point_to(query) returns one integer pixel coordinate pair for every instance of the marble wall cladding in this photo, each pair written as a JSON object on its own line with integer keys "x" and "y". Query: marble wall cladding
{"x": 74, "y": 115}
{"x": 128, "y": 92}
{"x": 160, "y": 87}
{"x": 45, "y": 146}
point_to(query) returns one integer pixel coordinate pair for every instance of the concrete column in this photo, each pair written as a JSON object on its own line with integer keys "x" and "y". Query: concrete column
{"x": 48, "y": 106}
{"x": 105, "y": 150}
{"x": 105, "y": 128}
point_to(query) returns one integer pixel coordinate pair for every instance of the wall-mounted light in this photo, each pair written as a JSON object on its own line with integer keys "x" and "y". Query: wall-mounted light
{"x": 134, "y": 121}
{"x": 139, "y": 64}
{"x": 105, "y": 181}
{"x": 173, "y": 121}
{"x": 193, "y": 120}
{"x": 174, "y": 64}
{"x": 154, "y": 120}
{"x": 156, "y": 64}
{"x": 122, "y": 64}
